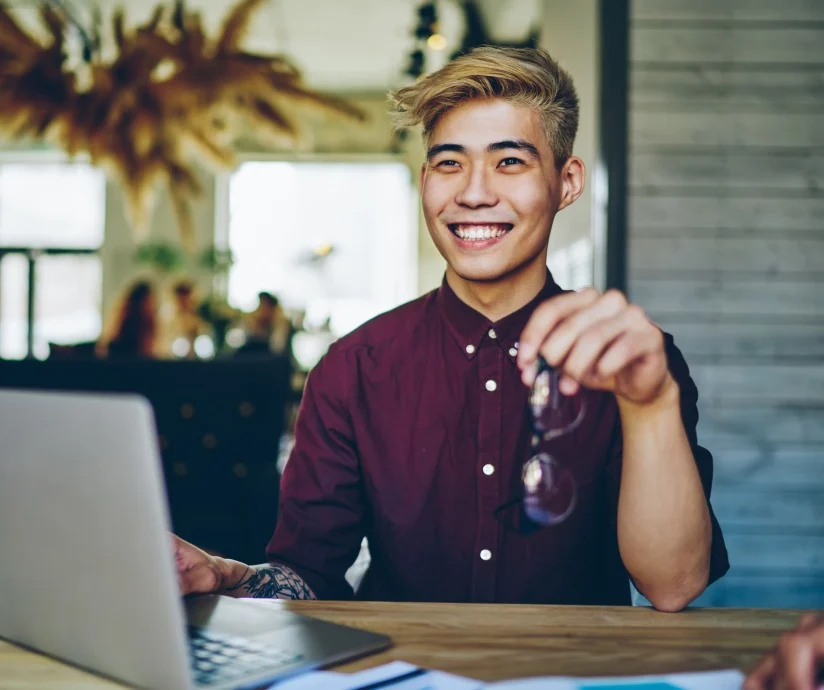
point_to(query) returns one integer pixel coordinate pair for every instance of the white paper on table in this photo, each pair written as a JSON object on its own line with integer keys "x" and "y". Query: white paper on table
{"x": 429, "y": 680}
{"x": 314, "y": 680}
{"x": 708, "y": 680}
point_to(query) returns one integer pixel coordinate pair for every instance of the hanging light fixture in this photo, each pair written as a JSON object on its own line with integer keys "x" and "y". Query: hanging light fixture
{"x": 168, "y": 99}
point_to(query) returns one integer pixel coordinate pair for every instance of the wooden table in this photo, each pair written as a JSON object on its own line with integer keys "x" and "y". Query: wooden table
{"x": 493, "y": 642}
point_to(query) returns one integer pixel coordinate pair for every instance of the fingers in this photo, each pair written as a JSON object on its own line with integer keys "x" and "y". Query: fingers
{"x": 761, "y": 676}
{"x": 195, "y": 574}
{"x": 558, "y": 343}
{"x": 630, "y": 346}
{"x": 795, "y": 660}
{"x": 590, "y": 337}
{"x": 809, "y": 621}
{"x": 591, "y": 346}
{"x": 545, "y": 318}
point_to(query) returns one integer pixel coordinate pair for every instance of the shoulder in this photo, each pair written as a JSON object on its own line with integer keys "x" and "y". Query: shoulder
{"x": 388, "y": 337}
{"x": 680, "y": 371}
{"x": 678, "y": 366}
{"x": 400, "y": 326}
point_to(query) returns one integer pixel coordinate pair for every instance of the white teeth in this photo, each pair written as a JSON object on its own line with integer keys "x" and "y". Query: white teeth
{"x": 479, "y": 232}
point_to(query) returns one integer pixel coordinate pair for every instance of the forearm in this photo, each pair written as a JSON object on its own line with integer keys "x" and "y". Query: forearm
{"x": 664, "y": 529}
{"x": 265, "y": 581}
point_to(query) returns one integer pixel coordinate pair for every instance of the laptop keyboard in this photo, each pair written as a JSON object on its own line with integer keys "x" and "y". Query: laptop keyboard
{"x": 219, "y": 658}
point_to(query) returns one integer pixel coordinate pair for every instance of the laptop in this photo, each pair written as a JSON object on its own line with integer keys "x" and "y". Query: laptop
{"x": 87, "y": 570}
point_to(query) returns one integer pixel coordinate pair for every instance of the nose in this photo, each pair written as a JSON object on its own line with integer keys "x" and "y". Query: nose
{"x": 476, "y": 192}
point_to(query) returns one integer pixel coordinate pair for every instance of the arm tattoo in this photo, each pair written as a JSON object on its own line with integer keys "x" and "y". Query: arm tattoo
{"x": 273, "y": 582}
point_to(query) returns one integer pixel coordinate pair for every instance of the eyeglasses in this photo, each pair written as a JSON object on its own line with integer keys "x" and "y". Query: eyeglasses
{"x": 549, "y": 489}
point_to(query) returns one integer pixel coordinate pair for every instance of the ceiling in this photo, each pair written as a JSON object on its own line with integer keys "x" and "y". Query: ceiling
{"x": 344, "y": 45}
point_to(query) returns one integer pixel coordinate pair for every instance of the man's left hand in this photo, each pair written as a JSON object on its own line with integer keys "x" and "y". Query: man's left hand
{"x": 598, "y": 341}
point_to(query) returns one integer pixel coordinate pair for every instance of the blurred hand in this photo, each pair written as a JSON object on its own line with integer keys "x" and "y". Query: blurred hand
{"x": 197, "y": 571}
{"x": 795, "y": 661}
{"x": 599, "y": 341}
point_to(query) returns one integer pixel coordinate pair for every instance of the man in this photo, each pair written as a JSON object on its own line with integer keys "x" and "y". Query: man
{"x": 797, "y": 662}
{"x": 413, "y": 429}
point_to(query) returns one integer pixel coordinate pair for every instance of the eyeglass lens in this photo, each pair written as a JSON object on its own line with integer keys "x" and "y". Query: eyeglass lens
{"x": 550, "y": 492}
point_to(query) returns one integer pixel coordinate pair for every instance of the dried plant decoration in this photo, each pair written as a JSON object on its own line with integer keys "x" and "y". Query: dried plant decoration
{"x": 170, "y": 98}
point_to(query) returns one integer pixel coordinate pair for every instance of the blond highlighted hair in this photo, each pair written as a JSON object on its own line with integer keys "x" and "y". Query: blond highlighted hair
{"x": 524, "y": 76}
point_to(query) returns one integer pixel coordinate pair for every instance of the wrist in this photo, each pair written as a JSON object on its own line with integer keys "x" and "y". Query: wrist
{"x": 230, "y": 573}
{"x": 666, "y": 401}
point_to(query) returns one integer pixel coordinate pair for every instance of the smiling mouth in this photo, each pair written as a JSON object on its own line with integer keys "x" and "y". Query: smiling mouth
{"x": 478, "y": 232}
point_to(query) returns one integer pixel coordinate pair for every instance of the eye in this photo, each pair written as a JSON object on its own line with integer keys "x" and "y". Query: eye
{"x": 446, "y": 163}
{"x": 510, "y": 161}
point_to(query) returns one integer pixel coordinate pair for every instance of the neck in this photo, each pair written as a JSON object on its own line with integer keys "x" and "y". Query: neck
{"x": 499, "y": 298}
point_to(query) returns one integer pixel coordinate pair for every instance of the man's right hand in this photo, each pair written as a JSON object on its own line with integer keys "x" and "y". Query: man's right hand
{"x": 197, "y": 571}
{"x": 201, "y": 573}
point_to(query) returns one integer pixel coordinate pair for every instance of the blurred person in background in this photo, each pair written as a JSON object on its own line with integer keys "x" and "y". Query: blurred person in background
{"x": 132, "y": 330}
{"x": 268, "y": 329}
{"x": 182, "y": 323}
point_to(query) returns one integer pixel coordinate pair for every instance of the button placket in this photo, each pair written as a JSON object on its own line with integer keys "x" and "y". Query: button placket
{"x": 490, "y": 361}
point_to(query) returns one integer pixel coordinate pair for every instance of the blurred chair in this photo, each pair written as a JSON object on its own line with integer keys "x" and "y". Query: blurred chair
{"x": 86, "y": 350}
{"x": 219, "y": 425}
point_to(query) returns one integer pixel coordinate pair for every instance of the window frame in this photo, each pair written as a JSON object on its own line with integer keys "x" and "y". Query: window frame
{"x": 33, "y": 254}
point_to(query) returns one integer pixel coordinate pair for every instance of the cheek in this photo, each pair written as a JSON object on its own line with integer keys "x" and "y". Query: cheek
{"x": 531, "y": 201}
{"x": 436, "y": 195}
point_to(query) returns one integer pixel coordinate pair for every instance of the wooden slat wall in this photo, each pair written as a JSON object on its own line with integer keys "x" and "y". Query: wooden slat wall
{"x": 726, "y": 251}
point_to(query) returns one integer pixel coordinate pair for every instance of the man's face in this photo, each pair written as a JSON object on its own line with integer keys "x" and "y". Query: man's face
{"x": 490, "y": 189}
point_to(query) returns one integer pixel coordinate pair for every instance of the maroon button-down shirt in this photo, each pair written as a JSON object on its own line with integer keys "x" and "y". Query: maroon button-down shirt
{"x": 413, "y": 429}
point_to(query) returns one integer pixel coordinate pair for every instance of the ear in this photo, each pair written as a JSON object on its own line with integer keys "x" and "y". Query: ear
{"x": 573, "y": 178}
{"x": 423, "y": 172}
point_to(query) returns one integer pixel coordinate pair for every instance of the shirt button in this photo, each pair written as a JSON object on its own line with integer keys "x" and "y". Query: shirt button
{"x": 488, "y": 469}
{"x": 513, "y": 352}
{"x": 492, "y": 333}
{"x": 470, "y": 349}
{"x": 491, "y": 386}
{"x": 486, "y": 554}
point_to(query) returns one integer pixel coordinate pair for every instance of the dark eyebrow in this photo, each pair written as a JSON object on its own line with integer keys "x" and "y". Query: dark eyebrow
{"x": 440, "y": 148}
{"x": 517, "y": 144}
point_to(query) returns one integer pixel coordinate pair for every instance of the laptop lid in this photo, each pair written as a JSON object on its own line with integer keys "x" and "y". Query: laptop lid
{"x": 86, "y": 567}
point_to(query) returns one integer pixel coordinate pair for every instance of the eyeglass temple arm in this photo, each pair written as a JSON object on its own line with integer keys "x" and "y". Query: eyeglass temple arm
{"x": 555, "y": 377}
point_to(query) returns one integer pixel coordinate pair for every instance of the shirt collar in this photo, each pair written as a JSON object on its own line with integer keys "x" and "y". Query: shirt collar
{"x": 469, "y": 327}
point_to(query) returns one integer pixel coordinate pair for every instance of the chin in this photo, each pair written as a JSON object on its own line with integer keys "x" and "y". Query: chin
{"x": 483, "y": 271}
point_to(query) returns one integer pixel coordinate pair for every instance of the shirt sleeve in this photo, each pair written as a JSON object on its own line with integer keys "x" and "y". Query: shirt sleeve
{"x": 719, "y": 562}
{"x": 322, "y": 505}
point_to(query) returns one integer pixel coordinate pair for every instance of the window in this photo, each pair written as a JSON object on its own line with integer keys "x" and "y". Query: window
{"x": 14, "y": 271}
{"x": 51, "y": 228}
{"x": 335, "y": 241}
